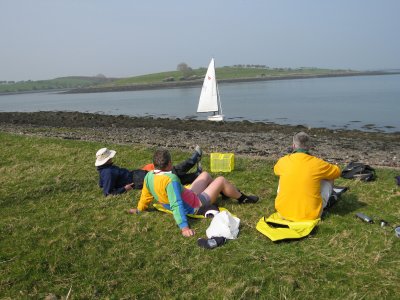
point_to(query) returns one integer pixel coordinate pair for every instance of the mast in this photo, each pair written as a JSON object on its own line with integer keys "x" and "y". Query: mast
{"x": 218, "y": 98}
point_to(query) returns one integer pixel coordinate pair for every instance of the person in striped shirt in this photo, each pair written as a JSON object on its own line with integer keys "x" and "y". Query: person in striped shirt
{"x": 165, "y": 187}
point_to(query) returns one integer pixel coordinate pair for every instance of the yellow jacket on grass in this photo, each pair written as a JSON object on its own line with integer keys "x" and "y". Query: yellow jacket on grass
{"x": 276, "y": 228}
{"x": 299, "y": 195}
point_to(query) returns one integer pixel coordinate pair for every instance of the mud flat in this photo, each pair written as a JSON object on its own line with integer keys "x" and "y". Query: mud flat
{"x": 245, "y": 138}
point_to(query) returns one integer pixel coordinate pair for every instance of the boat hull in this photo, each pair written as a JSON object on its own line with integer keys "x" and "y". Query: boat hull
{"x": 216, "y": 118}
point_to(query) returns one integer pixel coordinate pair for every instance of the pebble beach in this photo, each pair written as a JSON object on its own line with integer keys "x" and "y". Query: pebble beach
{"x": 269, "y": 141}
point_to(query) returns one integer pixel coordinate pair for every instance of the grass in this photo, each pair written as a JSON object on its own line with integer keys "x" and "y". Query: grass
{"x": 52, "y": 84}
{"x": 59, "y": 235}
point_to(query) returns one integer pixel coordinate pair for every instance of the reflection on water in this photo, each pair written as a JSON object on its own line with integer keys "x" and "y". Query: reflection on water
{"x": 367, "y": 103}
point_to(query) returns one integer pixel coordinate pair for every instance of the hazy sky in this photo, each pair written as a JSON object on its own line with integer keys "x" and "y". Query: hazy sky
{"x": 45, "y": 39}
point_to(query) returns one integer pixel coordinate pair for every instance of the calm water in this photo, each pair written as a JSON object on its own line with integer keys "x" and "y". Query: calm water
{"x": 369, "y": 103}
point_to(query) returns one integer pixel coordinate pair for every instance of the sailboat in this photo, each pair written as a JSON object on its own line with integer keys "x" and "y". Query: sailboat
{"x": 209, "y": 97}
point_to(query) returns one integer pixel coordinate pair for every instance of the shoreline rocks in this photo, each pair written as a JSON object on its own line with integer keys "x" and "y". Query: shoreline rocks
{"x": 269, "y": 141}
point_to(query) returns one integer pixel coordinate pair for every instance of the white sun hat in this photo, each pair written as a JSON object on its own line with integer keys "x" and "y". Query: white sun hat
{"x": 103, "y": 155}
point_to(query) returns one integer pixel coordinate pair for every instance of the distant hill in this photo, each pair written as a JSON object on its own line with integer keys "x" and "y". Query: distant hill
{"x": 222, "y": 73}
{"x": 60, "y": 83}
{"x": 176, "y": 79}
{"x": 187, "y": 77}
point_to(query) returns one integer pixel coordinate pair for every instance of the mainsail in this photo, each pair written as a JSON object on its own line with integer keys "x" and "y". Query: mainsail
{"x": 209, "y": 97}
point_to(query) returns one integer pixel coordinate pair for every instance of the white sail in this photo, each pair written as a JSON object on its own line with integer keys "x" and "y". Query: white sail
{"x": 209, "y": 94}
{"x": 209, "y": 97}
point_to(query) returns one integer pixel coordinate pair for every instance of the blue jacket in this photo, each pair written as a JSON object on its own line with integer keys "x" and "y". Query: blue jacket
{"x": 113, "y": 179}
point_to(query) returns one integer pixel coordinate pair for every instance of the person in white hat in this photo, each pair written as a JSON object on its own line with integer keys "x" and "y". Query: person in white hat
{"x": 115, "y": 180}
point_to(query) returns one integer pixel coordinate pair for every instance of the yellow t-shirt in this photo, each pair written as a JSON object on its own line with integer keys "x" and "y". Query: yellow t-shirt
{"x": 300, "y": 174}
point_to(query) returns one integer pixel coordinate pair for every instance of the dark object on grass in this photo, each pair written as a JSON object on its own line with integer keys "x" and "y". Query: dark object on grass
{"x": 397, "y": 231}
{"x": 398, "y": 179}
{"x": 356, "y": 170}
{"x": 209, "y": 211}
{"x": 248, "y": 199}
{"x": 336, "y": 193}
{"x": 211, "y": 243}
{"x": 339, "y": 190}
{"x": 364, "y": 217}
{"x": 384, "y": 223}
{"x": 333, "y": 199}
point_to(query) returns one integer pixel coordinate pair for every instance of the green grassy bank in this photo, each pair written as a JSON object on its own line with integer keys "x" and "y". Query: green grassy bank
{"x": 169, "y": 79}
{"x": 59, "y": 235}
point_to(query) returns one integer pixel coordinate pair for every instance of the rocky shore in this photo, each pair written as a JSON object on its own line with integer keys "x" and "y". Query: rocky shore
{"x": 243, "y": 138}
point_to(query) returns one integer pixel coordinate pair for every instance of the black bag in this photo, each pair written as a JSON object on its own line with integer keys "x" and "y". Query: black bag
{"x": 138, "y": 178}
{"x": 356, "y": 170}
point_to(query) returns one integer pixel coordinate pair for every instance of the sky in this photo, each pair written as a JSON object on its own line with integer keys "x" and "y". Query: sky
{"x": 46, "y": 39}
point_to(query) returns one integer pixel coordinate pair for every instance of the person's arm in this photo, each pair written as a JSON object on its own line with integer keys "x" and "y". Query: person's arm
{"x": 330, "y": 171}
{"x": 176, "y": 203}
{"x": 108, "y": 188}
{"x": 145, "y": 198}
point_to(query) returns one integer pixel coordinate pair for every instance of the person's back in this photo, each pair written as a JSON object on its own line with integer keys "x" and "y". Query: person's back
{"x": 300, "y": 178}
{"x": 166, "y": 188}
{"x": 162, "y": 186}
{"x": 112, "y": 179}
{"x": 299, "y": 197}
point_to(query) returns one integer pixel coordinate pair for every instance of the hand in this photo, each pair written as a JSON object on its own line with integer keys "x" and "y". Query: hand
{"x": 133, "y": 211}
{"x": 187, "y": 232}
{"x": 128, "y": 187}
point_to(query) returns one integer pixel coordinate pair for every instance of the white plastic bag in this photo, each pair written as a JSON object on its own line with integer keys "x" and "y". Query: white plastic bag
{"x": 225, "y": 225}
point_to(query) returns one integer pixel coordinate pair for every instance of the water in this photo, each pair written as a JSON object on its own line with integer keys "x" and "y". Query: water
{"x": 369, "y": 103}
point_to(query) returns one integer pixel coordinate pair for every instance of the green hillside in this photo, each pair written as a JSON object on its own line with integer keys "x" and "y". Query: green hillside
{"x": 246, "y": 72}
{"x": 223, "y": 73}
{"x": 52, "y": 84}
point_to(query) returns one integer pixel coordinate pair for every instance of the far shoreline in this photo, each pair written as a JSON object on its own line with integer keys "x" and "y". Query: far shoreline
{"x": 196, "y": 83}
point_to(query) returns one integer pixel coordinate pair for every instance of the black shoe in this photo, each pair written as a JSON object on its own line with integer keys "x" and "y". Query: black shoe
{"x": 333, "y": 199}
{"x": 212, "y": 243}
{"x": 248, "y": 199}
{"x": 198, "y": 150}
{"x": 196, "y": 157}
{"x": 339, "y": 190}
{"x": 208, "y": 211}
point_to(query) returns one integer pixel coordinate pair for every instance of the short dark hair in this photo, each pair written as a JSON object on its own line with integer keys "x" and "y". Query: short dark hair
{"x": 161, "y": 159}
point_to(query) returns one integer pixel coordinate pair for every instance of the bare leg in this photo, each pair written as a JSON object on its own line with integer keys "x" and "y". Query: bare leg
{"x": 201, "y": 183}
{"x": 220, "y": 184}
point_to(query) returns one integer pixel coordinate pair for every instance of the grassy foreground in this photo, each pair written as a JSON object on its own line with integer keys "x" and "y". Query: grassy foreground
{"x": 60, "y": 236}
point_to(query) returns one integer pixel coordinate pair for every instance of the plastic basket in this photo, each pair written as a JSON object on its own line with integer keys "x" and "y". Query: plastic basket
{"x": 222, "y": 162}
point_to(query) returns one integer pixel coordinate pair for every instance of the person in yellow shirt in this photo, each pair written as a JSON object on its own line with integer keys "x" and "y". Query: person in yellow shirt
{"x": 305, "y": 182}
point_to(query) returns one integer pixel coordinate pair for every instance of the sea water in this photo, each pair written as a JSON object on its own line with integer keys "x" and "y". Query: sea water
{"x": 369, "y": 103}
